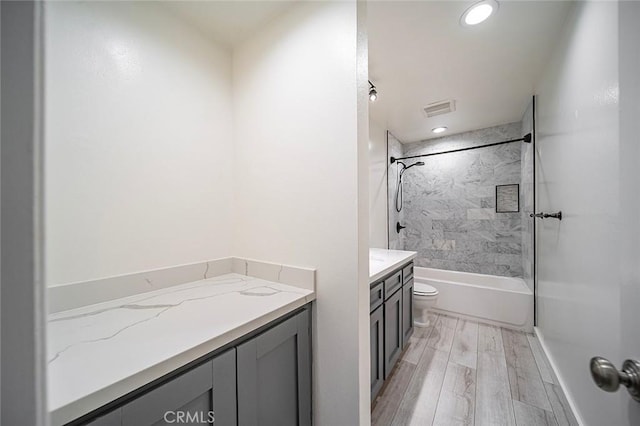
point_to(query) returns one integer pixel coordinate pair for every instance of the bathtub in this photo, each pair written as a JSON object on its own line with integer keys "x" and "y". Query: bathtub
{"x": 502, "y": 301}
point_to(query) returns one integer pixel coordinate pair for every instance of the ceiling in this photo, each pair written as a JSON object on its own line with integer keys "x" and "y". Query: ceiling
{"x": 228, "y": 22}
{"x": 419, "y": 54}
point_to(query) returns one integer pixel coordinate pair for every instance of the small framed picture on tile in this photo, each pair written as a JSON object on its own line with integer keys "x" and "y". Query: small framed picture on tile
{"x": 508, "y": 198}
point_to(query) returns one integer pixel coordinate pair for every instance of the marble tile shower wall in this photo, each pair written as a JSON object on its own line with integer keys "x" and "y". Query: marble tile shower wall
{"x": 449, "y": 204}
{"x": 526, "y": 200}
{"x": 396, "y": 241}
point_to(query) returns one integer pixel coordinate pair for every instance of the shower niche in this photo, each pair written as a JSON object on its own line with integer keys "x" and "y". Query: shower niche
{"x": 508, "y": 198}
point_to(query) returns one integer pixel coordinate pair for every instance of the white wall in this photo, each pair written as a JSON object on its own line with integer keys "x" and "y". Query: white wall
{"x": 378, "y": 237}
{"x": 139, "y": 145}
{"x": 580, "y": 152}
{"x": 301, "y": 182}
{"x": 272, "y": 167}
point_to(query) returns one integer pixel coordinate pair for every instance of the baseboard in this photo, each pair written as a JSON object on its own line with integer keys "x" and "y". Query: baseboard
{"x": 557, "y": 377}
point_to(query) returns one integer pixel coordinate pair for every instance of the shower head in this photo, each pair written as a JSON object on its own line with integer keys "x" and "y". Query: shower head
{"x": 419, "y": 163}
{"x": 399, "y": 187}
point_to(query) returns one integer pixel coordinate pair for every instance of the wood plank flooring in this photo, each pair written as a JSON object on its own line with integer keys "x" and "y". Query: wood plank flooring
{"x": 460, "y": 372}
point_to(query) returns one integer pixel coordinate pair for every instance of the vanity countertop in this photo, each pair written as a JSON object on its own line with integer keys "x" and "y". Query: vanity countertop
{"x": 382, "y": 261}
{"x": 101, "y": 352}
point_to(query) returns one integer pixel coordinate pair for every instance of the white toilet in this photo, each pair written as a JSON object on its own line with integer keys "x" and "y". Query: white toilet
{"x": 424, "y": 298}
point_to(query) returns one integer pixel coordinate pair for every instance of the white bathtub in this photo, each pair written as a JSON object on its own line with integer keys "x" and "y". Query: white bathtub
{"x": 502, "y": 301}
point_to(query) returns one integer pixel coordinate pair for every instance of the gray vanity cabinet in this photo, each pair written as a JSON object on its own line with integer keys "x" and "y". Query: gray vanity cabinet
{"x": 263, "y": 379}
{"x": 391, "y": 322}
{"x": 377, "y": 350}
{"x": 203, "y": 394}
{"x": 392, "y": 331}
{"x": 274, "y": 375}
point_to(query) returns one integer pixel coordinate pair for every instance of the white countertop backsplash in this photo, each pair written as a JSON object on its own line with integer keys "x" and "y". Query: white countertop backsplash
{"x": 383, "y": 261}
{"x": 100, "y": 352}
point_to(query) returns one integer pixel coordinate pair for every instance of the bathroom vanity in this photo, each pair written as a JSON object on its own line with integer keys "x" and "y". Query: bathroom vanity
{"x": 391, "y": 310}
{"x": 233, "y": 346}
{"x": 227, "y": 386}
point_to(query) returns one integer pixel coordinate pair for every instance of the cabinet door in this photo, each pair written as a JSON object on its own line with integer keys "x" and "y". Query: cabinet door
{"x": 224, "y": 388}
{"x": 274, "y": 376}
{"x": 407, "y": 312}
{"x": 114, "y": 418}
{"x": 203, "y": 395}
{"x": 377, "y": 351}
{"x": 392, "y": 331}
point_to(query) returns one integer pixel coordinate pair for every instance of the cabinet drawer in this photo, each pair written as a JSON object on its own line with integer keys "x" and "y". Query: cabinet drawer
{"x": 407, "y": 273}
{"x": 376, "y": 296}
{"x": 391, "y": 284}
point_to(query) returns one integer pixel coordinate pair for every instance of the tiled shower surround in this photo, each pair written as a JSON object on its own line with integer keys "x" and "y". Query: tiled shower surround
{"x": 449, "y": 203}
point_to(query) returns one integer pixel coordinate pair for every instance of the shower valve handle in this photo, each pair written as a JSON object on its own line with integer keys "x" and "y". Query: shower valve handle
{"x": 557, "y": 215}
{"x": 399, "y": 227}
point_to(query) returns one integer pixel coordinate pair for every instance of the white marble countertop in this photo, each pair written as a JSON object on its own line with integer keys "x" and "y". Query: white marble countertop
{"x": 101, "y": 352}
{"x": 382, "y": 261}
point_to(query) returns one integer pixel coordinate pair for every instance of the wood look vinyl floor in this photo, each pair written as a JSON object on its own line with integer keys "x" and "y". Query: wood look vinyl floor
{"x": 460, "y": 372}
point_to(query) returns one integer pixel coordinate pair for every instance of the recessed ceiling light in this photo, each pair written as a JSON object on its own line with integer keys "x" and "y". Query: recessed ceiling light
{"x": 478, "y": 12}
{"x": 439, "y": 129}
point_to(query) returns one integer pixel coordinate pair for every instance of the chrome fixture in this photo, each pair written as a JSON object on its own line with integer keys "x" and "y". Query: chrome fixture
{"x": 609, "y": 379}
{"x": 541, "y": 215}
{"x": 373, "y": 93}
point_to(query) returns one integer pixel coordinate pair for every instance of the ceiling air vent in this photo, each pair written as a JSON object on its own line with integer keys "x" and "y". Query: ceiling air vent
{"x": 439, "y": 108}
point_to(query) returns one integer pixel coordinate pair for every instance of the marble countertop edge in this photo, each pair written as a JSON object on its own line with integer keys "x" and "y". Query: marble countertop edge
{"x": 82, "y": 406}
{"x": 383, "y": 261}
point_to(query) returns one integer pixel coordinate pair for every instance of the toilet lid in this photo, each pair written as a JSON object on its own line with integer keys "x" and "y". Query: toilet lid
{"x": 424, "y": 289}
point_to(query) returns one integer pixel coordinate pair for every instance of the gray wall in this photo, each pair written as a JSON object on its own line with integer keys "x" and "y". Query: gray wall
{"x": 449, "y": 204}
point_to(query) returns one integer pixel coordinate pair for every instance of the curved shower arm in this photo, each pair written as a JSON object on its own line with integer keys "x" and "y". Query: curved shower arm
{"x": 399, "y": 198}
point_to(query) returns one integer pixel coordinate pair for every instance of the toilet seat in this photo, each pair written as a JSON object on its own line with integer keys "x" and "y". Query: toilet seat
{"x": 420, "y": 289}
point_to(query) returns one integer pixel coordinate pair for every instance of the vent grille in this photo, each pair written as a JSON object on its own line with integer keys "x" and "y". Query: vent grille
{"x": 439, "y": 108}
